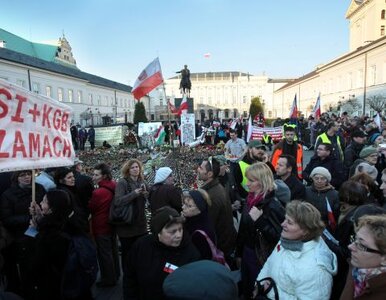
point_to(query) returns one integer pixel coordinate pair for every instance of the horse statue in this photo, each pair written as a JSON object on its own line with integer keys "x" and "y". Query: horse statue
{"x": 185, "y": 84}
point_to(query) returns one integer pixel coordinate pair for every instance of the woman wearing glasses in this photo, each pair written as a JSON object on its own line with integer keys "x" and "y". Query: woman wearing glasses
{"x": 15, "y": 216}
{"x": 367, "y": 279}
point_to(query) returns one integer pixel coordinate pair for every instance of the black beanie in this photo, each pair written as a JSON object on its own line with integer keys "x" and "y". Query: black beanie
{"x": 199, "y": 200}
{"x": 162, "y": 217}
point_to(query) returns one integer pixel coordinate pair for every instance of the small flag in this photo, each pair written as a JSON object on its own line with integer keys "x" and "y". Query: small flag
{"x": 378, "y": 121}
{"x": 148, "y": 80}
{"x": 250, "y": 129}
{"x": 316, "y": 111}
{"x": 160, "y": 135}
{"x": 169, "y": 268}
{"x": 294, "y": 110}
{"x": 330, "y": 216}
{"x": 207, "y": 55}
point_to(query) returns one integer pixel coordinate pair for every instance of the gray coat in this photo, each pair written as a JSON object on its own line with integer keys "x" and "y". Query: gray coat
{"x": 125, "y": 193}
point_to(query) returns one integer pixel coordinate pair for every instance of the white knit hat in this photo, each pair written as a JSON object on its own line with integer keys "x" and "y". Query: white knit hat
{"x": 321, "y": 171}
{"x": 162, "y": 174}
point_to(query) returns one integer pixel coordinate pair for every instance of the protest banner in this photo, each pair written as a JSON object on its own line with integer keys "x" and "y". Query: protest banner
{"x": 34, "y": 130}
{"x": 275, "y": 132}
{"x": 188, "y": 133}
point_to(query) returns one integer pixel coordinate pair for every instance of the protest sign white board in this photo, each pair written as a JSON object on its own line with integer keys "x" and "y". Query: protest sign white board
{"x": 275, "y": 132}
{"x": 34, "y": 130}
{"x": 188, "y": 133}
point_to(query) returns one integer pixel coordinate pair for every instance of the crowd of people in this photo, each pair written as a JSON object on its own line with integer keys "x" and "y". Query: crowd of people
{"x": 253, "y": 222}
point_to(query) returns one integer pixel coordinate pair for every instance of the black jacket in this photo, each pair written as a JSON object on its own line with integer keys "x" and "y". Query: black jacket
{"x": 146, "y": 263}
{"x": 50, "y": 257}
{"x": 269, "y": 225}
{"x": 297, "y": 188}
{"x": 14, "y": 208}
{"x": 161, "y": 195}
{"x": 332, "y": 164}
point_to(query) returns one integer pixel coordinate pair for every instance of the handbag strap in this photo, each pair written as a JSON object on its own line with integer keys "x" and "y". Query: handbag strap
{"x": 272, "y": 285}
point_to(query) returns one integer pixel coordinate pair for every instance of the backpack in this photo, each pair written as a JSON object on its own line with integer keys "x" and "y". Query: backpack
{"x": 217, "y": 254}
{"x": 81, "y": 268}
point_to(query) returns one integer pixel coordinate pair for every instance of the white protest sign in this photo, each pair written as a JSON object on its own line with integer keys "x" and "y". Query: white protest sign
{"x": 34, "y": 130}
{"x": 187, "y": 129}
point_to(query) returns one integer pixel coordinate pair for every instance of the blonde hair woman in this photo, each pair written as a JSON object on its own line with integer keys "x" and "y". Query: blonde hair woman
{"x": 301, "y": 264}
{"x": 259, "y": 225}
{"x": 132, "y": 190}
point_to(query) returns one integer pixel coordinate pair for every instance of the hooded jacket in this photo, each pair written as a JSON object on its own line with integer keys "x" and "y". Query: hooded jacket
{"x": 305, "y": 274}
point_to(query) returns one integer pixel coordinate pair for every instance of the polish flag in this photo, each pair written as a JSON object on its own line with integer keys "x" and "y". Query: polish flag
{"x": 316, "y": 111}
{"x": 183, "y": 109}
{"x": 172, "y": 108}
{"x": 330, "y": 216}
{"x": 294, "y": 109}
{"x": 148, "y": 80}
{"x": 207, "y": 55}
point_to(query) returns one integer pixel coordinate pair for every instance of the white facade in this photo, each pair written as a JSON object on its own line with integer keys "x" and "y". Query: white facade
{"x": 226, "y": 94}
{"x": 367, "y": 22}
{"x": 96, "y": 101}
{"x": 353, "y": 77}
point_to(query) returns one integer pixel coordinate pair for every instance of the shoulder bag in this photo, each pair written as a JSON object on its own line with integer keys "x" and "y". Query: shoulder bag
{"x": 122, "y": 214}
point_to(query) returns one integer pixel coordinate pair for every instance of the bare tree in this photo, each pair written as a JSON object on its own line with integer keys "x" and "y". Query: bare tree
{"x": 377, "y": 102}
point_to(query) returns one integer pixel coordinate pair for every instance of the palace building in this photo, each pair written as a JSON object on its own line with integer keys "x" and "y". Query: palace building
{"x": 50, "y": 69}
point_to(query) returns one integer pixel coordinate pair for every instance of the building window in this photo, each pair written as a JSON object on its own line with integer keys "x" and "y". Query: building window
{"x": 106, "y": 102}
{"x": 79, "y": 96}
{"x": 70, "y": 96}
{"x": 99, "y": 100}
{"x": 382, "y": 30}
{"x": 383, "y": 14}
{"x": 373, "y": 75}
{"x": 20, "y": 82}
{"x": 90, "y": 99}
{"x": 35, "y": 87}
{"x": 60, "y": 94}
{"x": 48, "y": 91}
{"x": 244, "y": 99}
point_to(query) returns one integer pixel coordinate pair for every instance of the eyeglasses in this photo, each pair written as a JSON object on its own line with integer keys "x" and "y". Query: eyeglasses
{"x": 362, "y": 247}
{"x": 319, "y": 178}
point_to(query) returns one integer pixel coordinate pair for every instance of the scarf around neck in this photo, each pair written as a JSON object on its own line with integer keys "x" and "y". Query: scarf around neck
{"x": 291, "y": 245}
{"x": 253, "y": 200}
{"x": 361, "y": 278}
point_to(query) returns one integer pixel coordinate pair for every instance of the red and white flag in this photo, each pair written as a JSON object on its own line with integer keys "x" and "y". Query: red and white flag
{"x": 330, "y": 216}
{"x": 294, "y": 110}
{"x": 207, "y": 55}
{"x": 148, "y": 80}
{"x": 183, "y": 109}
{"x": 316, "y": 111}
{"x": 172, "y": 108}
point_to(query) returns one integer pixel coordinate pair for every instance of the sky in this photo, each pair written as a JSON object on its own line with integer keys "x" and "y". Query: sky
{"x": 116, "y": 39}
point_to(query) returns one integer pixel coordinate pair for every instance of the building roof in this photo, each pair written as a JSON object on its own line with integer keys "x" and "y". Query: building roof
{"x": 31, "y": 61}
{"x": 18, "y": 44}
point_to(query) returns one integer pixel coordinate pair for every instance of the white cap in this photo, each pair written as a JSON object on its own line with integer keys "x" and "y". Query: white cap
{"x": 162, "y": 174}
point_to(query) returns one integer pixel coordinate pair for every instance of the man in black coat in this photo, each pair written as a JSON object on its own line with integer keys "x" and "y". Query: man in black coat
{"x": 284, "y": 167}
{"x": 324, "y": 158}
{"x": 351, "y": 153}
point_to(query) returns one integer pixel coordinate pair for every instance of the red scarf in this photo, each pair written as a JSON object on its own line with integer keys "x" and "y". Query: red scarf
{"x": 253, "y": 199}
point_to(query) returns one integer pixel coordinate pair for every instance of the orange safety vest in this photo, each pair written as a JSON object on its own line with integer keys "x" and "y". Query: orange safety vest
{"x": 299, "y": 159}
